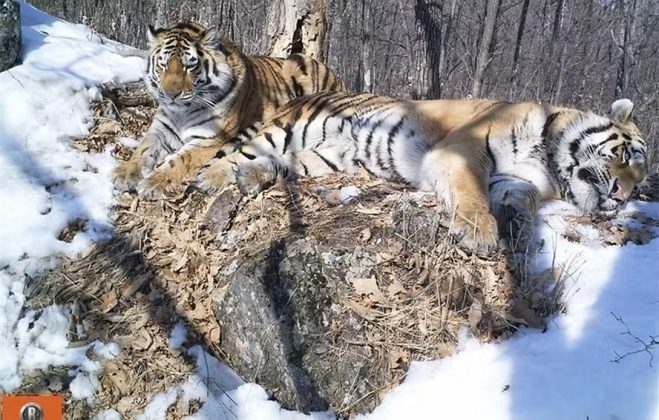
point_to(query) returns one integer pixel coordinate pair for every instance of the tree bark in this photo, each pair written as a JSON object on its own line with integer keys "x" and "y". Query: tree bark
{"x": 518, "y": 46}
{"x": 485, "y": 46}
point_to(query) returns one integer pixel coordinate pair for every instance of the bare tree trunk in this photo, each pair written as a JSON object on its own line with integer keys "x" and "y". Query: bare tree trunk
{"x": 518, "y": 47}
{"x": 297, "y": 26}
{"x": 485, "y": 46}
{"x": 628, "y": 15}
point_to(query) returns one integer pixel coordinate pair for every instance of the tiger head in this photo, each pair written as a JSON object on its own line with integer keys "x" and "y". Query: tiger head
{"x": 187, "y": 64}
{"x": 607, "y": 159}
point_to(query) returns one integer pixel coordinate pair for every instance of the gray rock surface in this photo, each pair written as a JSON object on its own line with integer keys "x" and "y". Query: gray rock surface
{"x": 330, "y": 312}
{"x": 10, "y": 33}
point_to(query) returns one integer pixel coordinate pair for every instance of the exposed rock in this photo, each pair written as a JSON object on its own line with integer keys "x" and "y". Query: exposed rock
{"x": 329, "y": 313}
{"x": 10, "y": 33}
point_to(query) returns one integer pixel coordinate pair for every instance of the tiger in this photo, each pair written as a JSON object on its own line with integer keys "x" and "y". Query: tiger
{"x": 490, "y": 162}
{"x": 207, "y": 91}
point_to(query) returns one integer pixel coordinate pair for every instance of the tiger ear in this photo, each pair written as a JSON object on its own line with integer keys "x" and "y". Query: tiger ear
{"x": 152, "y": 34}
{"x": 621, "y": 110}
{"x": 210, "y": 38}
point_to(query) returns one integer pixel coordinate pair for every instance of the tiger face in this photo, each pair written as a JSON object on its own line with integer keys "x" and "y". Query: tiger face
{"x": 610, "y": 161}
{"x": 187, "y": 65}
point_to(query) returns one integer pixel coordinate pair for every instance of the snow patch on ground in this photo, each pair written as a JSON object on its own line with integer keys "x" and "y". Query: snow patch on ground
{"x": 45, "y": 183}
{"x": 178, "y": 335}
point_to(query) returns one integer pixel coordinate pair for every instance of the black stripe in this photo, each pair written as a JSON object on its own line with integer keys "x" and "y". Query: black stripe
{"x": 288, "y": 129}
{"x": 304, "y": 167}
{"x": 207, "y": 119}
{"x": 548, "y": 122}
{"x": 331, "y": 165}
{"x": 326, "y": 77}
{"x": 613, "y": 136}
{"x": 369, "y": 138}
{"x": 247, "y": 155}
{"x": 513, "y": 139}
{"x": 170, "y": 129}
{"x": 318, "y": 104}
{"x": 390, "y": 142}
{"x": 270, "y": 140}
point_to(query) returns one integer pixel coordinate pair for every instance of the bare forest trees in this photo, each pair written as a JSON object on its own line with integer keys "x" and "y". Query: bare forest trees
{"x": 579, "y": 52}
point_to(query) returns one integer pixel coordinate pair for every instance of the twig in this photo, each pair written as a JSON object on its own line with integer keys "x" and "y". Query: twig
{"x": 645, "y": 346}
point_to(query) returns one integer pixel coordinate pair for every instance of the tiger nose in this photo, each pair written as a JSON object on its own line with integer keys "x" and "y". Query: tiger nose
{"x": 617, "y": 193}
{"x": 172, "y": 93}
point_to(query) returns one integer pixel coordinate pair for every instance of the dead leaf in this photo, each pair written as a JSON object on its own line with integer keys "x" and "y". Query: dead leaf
{"x": 364, "y": 236}
{"x": 142, "y": 340}
{"x": 368, "y": 287}
{"x": 333, "y": 198}
{"x": 383, "y": 257}
{"x": 397, "y": 356}
{"x": 107, "y": 127}
{"x": 136, "y": 285}
{"x": 371, "y": 211}
{"x": 522, "y": 312}
{"x": 395, "y": 289}
{"x": 182, "y": 261}
{"x": 119, "y": 375}
{"x": 364, "y": 312}
{"x": 108, "y": 301}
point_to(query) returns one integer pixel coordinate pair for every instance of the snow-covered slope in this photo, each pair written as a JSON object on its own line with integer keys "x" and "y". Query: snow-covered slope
{"x": 568, "y": 372}
{"x": 45, "y": 183}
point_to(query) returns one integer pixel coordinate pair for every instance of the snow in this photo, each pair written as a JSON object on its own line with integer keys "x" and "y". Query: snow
{"x": 348, "y": 194}
{"x": 590, "y": 363}
{"x": 224, "y": 396}
{"x": 108, "y": 415}
{"x": 178, "y": 335}
{"x": 45, "y": 183}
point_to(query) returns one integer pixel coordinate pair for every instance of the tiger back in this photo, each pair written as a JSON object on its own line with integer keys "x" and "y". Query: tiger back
{"x": 208, "y": 90}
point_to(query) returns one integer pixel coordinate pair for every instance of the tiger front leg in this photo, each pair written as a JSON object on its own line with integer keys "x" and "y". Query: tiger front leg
{"x": 178, "y": 167}
{"x": 514, "y": 203}
{"x": 144, "y": 158}
{"x": 458, "y": 174}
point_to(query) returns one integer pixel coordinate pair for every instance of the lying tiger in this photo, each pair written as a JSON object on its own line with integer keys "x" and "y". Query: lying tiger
{"x": 492, "y": 162}
{"x": 207, "y": 92}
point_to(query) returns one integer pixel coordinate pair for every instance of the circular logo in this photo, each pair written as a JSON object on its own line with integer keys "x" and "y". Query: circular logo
{"x": 31, "y": 411}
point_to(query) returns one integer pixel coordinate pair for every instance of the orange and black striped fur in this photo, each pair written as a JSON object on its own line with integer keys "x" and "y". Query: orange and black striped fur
{"x": 207, "y": 92}
{"x": 491, "y": 162}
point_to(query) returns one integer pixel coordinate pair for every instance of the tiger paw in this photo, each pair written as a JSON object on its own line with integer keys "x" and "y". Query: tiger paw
{"x": 214, "y": 176}
{"x": 126, "y": 176}
{"x": 516, "y": 226}
{"x": 152, "y": 187}
{"x": 252, "y": 178}
{"x": 476, "y": 232}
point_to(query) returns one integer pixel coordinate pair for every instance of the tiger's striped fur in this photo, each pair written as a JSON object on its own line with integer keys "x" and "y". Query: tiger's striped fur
{"x": 207, "y": 91}
{"x": 492, "y": 162}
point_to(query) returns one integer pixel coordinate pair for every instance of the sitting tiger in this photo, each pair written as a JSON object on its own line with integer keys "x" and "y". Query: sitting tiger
{"x": 207, "y": 92}
{"x": 491, "y": 162}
